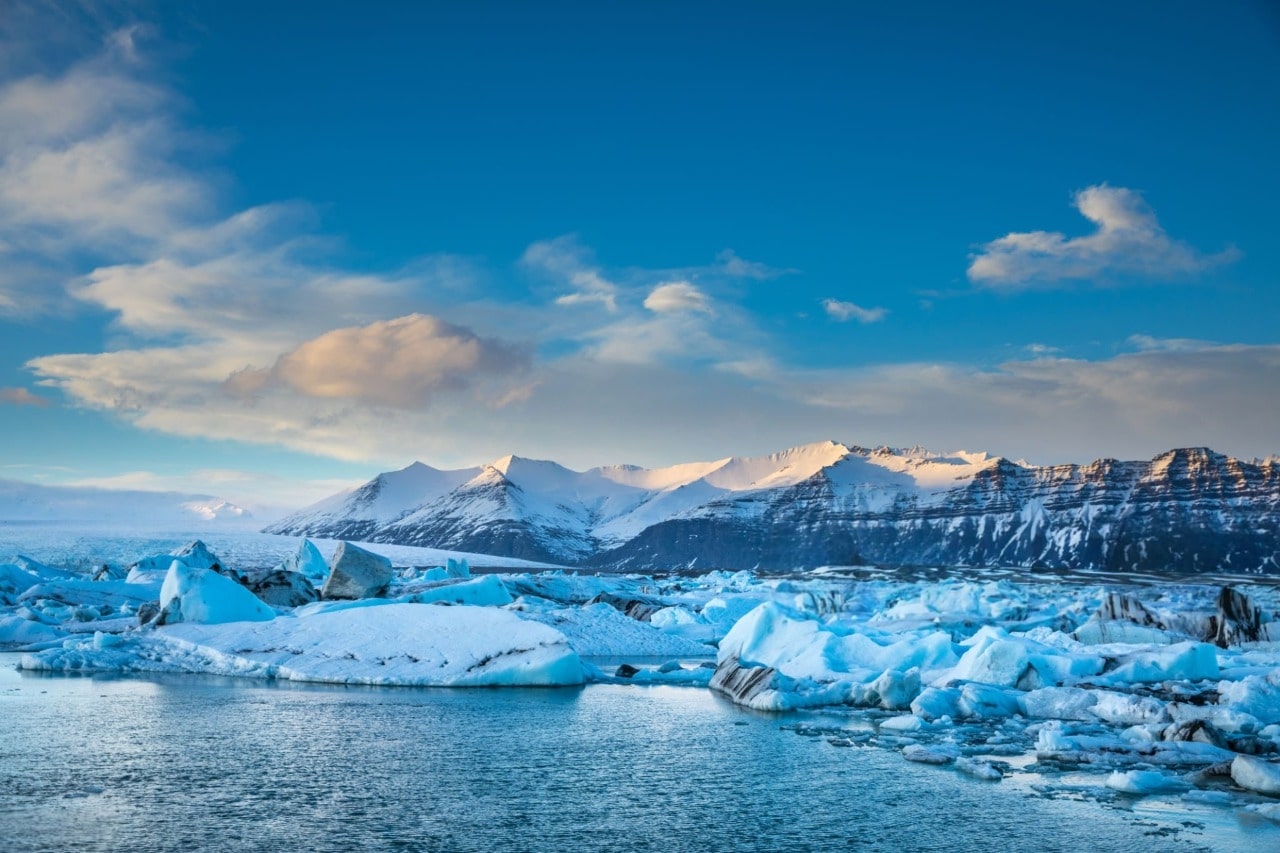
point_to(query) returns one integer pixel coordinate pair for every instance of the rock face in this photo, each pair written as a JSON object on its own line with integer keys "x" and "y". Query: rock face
{"x": 356, "y": 573}
{"x": 1188, "y": 510}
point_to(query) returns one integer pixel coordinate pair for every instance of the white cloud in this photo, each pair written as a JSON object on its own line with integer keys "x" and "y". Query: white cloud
{"x": 1128, "y": 241}
{"x": 399, "y": 363}
{"x": 676, "y": 296}
{"x": 845, "y": 311}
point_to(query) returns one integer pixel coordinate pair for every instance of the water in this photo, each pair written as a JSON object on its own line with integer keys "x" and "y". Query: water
{"x": 191, "y": 763}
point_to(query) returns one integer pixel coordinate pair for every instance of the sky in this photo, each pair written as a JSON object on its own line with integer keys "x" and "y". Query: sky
{"x": 265, "y": 251}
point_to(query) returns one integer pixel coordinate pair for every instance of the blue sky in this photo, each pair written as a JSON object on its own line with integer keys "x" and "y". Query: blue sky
{"x": 262, "y": 253}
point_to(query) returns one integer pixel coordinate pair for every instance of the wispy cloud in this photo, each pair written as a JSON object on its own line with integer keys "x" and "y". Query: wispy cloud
{"x": 1128, "y": 241}
{"x": 22, "y": 397}
{"x": 844, "y": 311}
{"x": 735, "y": 267}
{"x": 565, "y": 258}
{"x": 1149, "y": 343}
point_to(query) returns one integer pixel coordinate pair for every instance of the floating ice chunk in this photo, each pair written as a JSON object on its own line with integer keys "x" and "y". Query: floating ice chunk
{"x": 1254, "y": 774}
{"x": 929, "y": 754}
{"x": 765, "y": 689}
{"x": 1055, "y": 742}
{"x": 484, "y": 591}
{"x": 978, "y": 769}
{"x": 203, "y": 596}
{"x": 16, "y": 632}
{"x": 1146, "y": 782}
{"x": 985, "y": 701}
{"x": 42, "y": 571}
{"x": 724, "y": 611}
{"x": 599, "y": 630}
{"x": 674, "y": 617}
{"x": 457, "y": 568}
{"x": 109, "y": 595}
{"x": 937, "y": 702}
{"x": 153, "y": 569}
{"x": 1059, "y": 703}
{"x": 993, "y": 658}
{"x": 197, "y": 555}
{"x": 1255, "y": 695}
{"x": 800, "y": 646}
{"x": 903, "y": 723}
{"x": 14, "y": 581}
{"x": 306, "y": 561}
{"x": 895, "y": 688}
{"x": 698, "y": 676}
{"x": 280, "y": 588}
{"x": 1185, "y": 661}
{"x": 1097, "y": 632}
{"x": 391, "y": 644}
{"x": 1271, "y": 811}
{"x": 1127, "y": 709}
{"x": 356, "y": 573}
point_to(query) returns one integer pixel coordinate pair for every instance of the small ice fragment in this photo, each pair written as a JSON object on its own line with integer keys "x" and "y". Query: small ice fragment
{"x": 1255, "y": 774}
{"x": 978, "y": 769}
{"x": 903, "y": 723}
{"x": 1145, "y": 782}
{"x": 927, "y": 755}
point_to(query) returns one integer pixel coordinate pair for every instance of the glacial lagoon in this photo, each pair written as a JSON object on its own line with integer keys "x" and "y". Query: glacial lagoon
{"x": 185, "y": 762}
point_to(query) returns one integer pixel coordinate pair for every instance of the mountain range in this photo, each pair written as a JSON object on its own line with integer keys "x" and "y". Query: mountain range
{"x": 827, "y": 503}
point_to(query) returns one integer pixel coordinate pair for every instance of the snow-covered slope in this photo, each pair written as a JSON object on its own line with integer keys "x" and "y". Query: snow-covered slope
{"x": 27, "y": 502}
{"x": 828, "y": 503}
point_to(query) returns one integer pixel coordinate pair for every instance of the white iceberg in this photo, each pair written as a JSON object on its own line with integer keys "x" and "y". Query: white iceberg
{"x": 389, "y": 644}
{"x": 203, "y": 596}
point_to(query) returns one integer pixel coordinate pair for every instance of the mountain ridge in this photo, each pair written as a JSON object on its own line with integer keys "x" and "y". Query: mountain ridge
{"x": 1188, "y": 509}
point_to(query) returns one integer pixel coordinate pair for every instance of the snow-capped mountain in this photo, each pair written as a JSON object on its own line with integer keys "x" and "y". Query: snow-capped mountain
{"x": 831, "y": 504}
{"x": 39, "y": 503}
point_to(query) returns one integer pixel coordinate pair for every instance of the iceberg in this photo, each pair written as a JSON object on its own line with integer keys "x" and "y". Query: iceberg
{"x": 387, "y": 644}
{"x": 203, "y": 596}
{"x": 356, "y": 573}
{"x": 306, "y": 561}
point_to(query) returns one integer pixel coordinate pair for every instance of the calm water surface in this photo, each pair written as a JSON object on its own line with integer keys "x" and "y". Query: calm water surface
{"x": 190, "y": 763}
